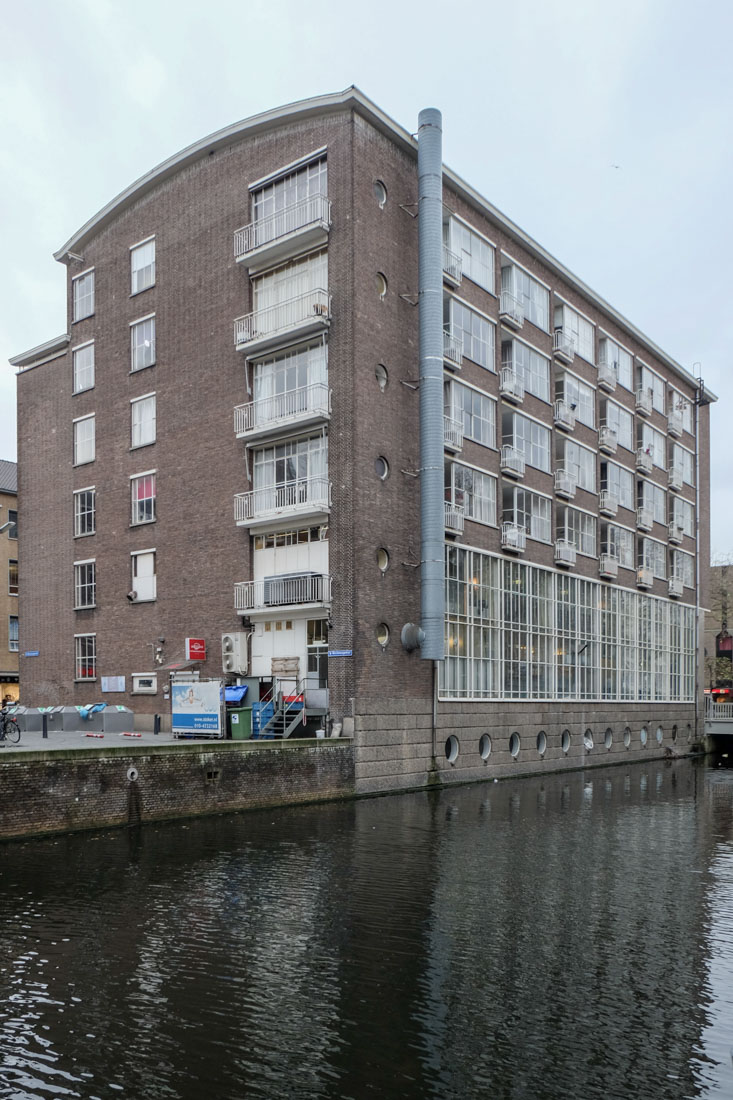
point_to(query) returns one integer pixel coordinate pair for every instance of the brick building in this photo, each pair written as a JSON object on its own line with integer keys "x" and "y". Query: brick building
{"x": 271, "y": 272}
{"x": 9, "y": 590}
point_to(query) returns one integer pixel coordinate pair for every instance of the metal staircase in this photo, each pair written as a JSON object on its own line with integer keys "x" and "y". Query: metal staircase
{"x": 288, "y": 710}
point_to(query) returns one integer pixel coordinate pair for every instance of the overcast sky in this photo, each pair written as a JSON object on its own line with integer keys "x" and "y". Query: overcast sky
{"x": 605, "y": 130}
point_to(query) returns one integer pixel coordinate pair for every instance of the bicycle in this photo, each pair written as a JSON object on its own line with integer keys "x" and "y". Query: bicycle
{"x": 9, "y": 728}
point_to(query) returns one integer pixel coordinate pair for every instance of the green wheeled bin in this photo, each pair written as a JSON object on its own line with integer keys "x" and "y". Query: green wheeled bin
{"x": 240, "y": 719}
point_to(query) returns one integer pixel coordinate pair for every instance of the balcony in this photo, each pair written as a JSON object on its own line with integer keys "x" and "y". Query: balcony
{"x": 455, "y": 517}
{"x": 511, "y": 310}
{"x": 275, "y": 326}
{"x": 308, "y": 498}
{"x": 607, "y": 440}
{"x": 452, "y": 433}
{"x": 511, "y": 386}
{"x": 606, "y": 377}
{"x": 644, "y": 461}
{"x": 608, "y": 567}
{"x": 676, "y": 587}
{"x": 285, "y": 592}
{"x": 676, "y": 478}
{"x": 513, "y": 538}
{"x": 676, "y": 533}
{"x": 299, "y": 227}
{"x": 607, "y": 503}
{"x": 644, "y": 577}
{"x": 565, "y": 483}
{"x": 512, "y": 461}
{"x": 452, "y": 349}
{"x": 674, "y": 423}
{"x": 269, "y": 416}
{"x": 564, "y": 553}
{"x": 644, "y": 518}
{"x": 564, "y": 416}
{"x": 452, "y": 267}
{"x": 563, "y": 346}
{"x": 644, "y": 402}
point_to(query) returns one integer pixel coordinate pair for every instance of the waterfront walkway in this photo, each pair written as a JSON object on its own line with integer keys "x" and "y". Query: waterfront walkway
{"x": 34, "y": 741}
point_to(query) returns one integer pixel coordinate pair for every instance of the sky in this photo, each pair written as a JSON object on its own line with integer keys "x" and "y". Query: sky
{"x": 603, "y": 129}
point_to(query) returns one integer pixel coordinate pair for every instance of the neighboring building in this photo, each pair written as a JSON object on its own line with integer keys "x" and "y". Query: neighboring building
{"x": 9, "y": 589}
{"x": 575, "y": 456}
{"x": 718, "y": 624}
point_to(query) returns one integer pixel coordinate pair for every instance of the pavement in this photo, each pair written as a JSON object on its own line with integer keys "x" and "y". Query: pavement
{"x": 33, "y": 741}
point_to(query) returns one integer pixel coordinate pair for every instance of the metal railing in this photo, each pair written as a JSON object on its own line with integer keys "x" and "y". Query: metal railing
{"x": 511, "y": 385}
{"x": 452, "y": 347}
{"x": 608, "y": 502}
{"x": 606, "y": 377}
{"x": 644, "y": 518}
{"x": 454, "y": 517}
{"x": 676, "y": 586}
{"x": 674, "y": 422}
{"x": 452, "y": 265}
{"x": 511, "y": 308}
{"x": 676, "y": 478}
{"x": 565, "y": 552}
{"x": 607, "y": 439}
{"x": 315, "y": 210}
{"x": 566, "y": 482}
{"x": 676, "y": 532}
{"x": 283, "y": 316}
{"x": 644, "y": 461}
{"x": 513, "y": 537}
{"x": 564, "y": 415}
{"x": 306, "y": 494}
{"x": 282, "y": 591}
{"x": 291, "y": 405}
{"x": 644, "y": 402}
{"x": 644, "y": 577}
{"x": 562, "y": 344}
{"x": 452, "y": 433}
{"x": 512, "y": 460}
{"x": 608, "y": 565}
{"x": 722, "y": 711}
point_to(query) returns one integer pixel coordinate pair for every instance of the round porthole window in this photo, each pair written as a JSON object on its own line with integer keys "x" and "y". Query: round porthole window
{"x": 627, "y": 737}
{"x": 484, "y": 746}
{"x": 514, "y": 745}
{"x": 588, "y": 739}
{"x": 381, "y": 284}
{"x": 383, "y": 559}
{"x": 674, "y": 733}
{"x": 689, "y": 732}
{"x": 381, "y": 467}
{"x": 542, "y": 742}
{"x": 383, "y": 634}
{"x": 380, "y": 193}
{"x": 659, "y": 735}
{"x": 608, "y": 738}
{"x": 382, "y": 376}
{"x": 451, "y": 749}
{"x": 565, "y": 741}
{"x": 643, "y": 736}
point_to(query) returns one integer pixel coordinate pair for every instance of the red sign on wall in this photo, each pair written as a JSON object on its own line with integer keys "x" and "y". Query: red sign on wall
{"x": 195, "y": 649}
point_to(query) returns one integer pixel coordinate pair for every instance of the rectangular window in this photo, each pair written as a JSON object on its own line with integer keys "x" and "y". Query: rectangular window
{"x": 144, "y": 683}
{"x": 683, "y": 567}
{"x": 142, "y": 265}
{"x": 142, "y": 343}
{"x": 682, "y": 459}
{"x": 653, "y": 555}
{"x": 474, "y": 410}
{"x": 82, "y": 290}
{"x": 530, "y": 438}
{"x": 143, "y": 576}
{"x": 142, "y": 489}
{"x": 578, "y": 460}
{"x": 13, "y": 633}
{"x": 683, "y": 514}
{"x": 580, "y": 331}
{"x": 578, "y": 395}
{"x": 12, "y": 577}
{"x": 476, "y": 332}
{"x": 84, "y": 512}
{"x": 620, "y": 481}
{"x": 653, "y": 443}
{"x": 477, "y": 255}
{"x": 653, "y": 385}
{"x": 283, "y": 194}
{"x": 619, "y": 543}
{"x": 85, "y": 584}
{"x": 299, "y": 278}
{"x": 293, "y": 381}
{"x": 680, "y": 404}
{"x": 612, "y": 355}
{"x": 83, "y": 363}
{"x": 13, "y": 521}
{"x": 654, "y": 497}
{"x": 474, "y": 490}
{"x": 84, "y": 440}
{"x": 292, "y": 472}
{"x": 620, "y": 421}
{"x": 143, "y": 420}
{"x": 528, "y": 510}
{"x": 578, "y": 528}
{"x": 531, "y": 367}
{"x": 85, "y": 657}
{"x": 533, "y": 297}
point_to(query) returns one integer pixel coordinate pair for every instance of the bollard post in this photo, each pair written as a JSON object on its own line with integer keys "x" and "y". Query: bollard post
{"x": 44, "y": 720}
{"x": 156, "y": 724}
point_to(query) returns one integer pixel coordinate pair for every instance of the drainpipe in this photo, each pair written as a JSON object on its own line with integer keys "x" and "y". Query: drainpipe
{"x": 430, "y": 288}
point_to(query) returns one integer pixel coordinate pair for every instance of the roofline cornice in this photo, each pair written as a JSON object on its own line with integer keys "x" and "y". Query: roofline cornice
{"x": 42, "y": 353}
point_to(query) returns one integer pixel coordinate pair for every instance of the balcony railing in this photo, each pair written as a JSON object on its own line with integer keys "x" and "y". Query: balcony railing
{"x": 676, "y": 587}
{"x": 511, "y": 386}
{"x": 644, "y": 518}
{"x": 511, "y": 310}
{"x": 563, "y": 345}
{"x": 564, "y": 416}
{"x": 676, "y": 533}
{"x": 644, "y": 461}
{"x": 608, "y": 566}
{"x": 676, "y": 478}
{"x": 513, "y": 537}
{"x": 644, "y": 577}
{"x": 565, "y": 483}
{"x": 674, "y": 423}
{"x": 512, "y": 461}
{"x": 607, "y": 439}
{"x": 452, "y": 266}
{"x": 644, "y": 402}
{"x": 280, "y": 409}
{"x": 452, "y": 348}
{"x": 607, "y": 503}
{"x": 315, "y": 211}
{"x": 311, "y": 310}
{"x": 454, "y": 518}
{"x": 307, "y": 495}
{"x": 607, "y": 379}
{"x": 565, "y": 552}
{"x": 452, "y": 433}
{"x": 283, "y": 591}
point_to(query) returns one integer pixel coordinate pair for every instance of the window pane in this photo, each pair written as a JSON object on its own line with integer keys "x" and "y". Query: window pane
{"x": 142, "y": 337}
{"x": 142, "y": 260}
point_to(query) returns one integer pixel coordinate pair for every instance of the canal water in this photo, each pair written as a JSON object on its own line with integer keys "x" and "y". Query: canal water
{"x": 570, "y": 936}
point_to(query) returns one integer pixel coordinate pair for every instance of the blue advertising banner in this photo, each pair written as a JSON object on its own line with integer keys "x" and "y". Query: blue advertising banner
{"x": 196, "y": 707}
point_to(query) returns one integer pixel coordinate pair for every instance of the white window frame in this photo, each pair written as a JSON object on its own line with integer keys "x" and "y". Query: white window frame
{"x": 652, "y": 382}
{"x": 536, "y": 520}
{"x": 579, "y": 528}
{"x": 135, "y": 347}
{"x": 526, "y": 447}
{"x": 580, "y": 328}
{"x": 654, "y": 497}
{"x": 79, "y": 370}
{"x": 78, "y": 299}
{"x": 139, "y": 281}
{"x": 141, "y": 427}
{"x": 477, "y": 342}
{"x": 683, "y": 514}
{"x": 654, "y": 443}
{"x": 459, "y": 412}
{"x": 137, "y": 682}
{"x": 13, "y": 642}
{"x": 519, "y": 283}
{"x": 567, "y": 447}
{"x": 625, "y": 548}
{"x": 653, "y": 555}
{"x": 78, "y": 513}
{"x": 616, "y": 355}
{"x": 613, "y": 483}
{"x": 90, "y": 442}
{"x": 686, "y": 574}
{"x": 82, "y": 659}
{"x": 134, "y": 520}
{"x": 614, "y": 416}
{"x": 580, "y": 395}
{"x": 470, "y": 498}
{"x": 683, "y": 459}
{"x": 478, "y": 270}
{"x": 85, "y": 586}
{"x": 534, "y": 372}
{"x": 150, "y": 590}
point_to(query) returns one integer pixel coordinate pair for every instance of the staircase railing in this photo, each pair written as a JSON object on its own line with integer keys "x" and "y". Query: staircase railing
{"x": 288, "y": 710}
